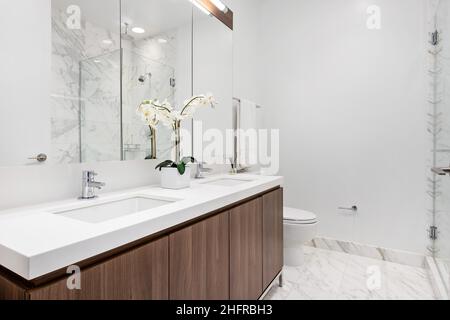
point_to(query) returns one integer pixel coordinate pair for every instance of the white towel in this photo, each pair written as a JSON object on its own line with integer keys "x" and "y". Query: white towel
{"x": 247, "y": 127}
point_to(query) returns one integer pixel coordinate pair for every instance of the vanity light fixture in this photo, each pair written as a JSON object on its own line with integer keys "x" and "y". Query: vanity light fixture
{"x": 200, "y": 7}
{"x": 162, "y": 40}
{"x": 220, "y": 5}
{"x": 138, "y": 30}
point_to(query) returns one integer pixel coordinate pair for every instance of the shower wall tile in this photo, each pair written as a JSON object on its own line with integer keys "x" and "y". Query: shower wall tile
{"x": 81, "y": 57}
{"x": 86, "y": 88}
{"x": 141, "y": 58}
{"x": 64, "y": 108}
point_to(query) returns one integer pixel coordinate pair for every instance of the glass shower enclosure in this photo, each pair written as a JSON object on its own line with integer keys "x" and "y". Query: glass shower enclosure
{"x": 110, "y": 128}
{"x": 439, "y": 129}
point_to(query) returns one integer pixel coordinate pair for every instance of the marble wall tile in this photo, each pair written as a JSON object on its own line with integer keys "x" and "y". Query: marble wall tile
{"x": 141, "y": 58}
{"x": 402, "y": 257}
{"x": 98, "y": 92}
{"x": 86, "y": 87}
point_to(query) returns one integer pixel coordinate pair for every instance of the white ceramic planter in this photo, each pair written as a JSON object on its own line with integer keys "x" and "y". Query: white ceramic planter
{"x": 172, "y": 179}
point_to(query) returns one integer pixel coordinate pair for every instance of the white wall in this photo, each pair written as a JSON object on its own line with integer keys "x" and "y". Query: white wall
{"x": 22, "y": 186}
{"x": 25, "y": 33}
{"x": 351, "y": 105}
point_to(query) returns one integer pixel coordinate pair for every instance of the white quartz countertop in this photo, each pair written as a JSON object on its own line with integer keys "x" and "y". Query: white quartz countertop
{"x": 34, "y": 241}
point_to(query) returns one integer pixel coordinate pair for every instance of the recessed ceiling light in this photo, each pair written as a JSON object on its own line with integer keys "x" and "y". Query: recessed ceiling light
{"x": 138, "y": 30}
{"x": 200, "y": 7}
{"x": 107, "y": 41}
{"x": 162, "y": 40}
{"x": 220, "y": 5}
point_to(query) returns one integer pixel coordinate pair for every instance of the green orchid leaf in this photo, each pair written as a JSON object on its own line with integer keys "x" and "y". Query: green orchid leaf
{"x": 181, "y": 168}
{"x": 165, "y": 164}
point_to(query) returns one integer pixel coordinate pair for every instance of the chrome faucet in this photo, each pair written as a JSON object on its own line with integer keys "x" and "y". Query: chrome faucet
{"x": 236, "y": 169}
{"x": 89, "y": 185}
{"x": 201, "y": 170}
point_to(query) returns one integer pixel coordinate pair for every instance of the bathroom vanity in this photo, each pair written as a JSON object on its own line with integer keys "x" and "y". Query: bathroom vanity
{"x": 220, "y": 239}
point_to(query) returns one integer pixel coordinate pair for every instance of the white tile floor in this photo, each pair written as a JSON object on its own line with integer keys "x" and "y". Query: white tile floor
{"x": 331, "y": 275}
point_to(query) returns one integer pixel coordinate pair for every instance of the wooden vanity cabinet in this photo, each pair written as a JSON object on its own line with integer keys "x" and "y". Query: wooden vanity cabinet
{"x": 246, "y": 261}
{"x": 235, "y": 254}
{"x": 272, "y": 235}
{"x": 140, "y": 274}
{"x": 256, "y": 250}
{"x": 199, "y": 260}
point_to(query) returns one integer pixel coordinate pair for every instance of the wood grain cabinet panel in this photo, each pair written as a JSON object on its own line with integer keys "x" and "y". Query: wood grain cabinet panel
{"x": 199, "y": 261}
{"x": 140, "y": 274}
{"x": 246, "y": 251}
{"x": 272, "y": 236}
{"x": 10, "y": 291}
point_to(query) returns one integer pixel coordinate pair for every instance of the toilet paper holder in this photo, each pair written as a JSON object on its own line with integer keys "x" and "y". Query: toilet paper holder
{"x": 353, "y": 208}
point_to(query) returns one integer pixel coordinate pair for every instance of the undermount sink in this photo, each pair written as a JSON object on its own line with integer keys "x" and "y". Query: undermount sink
{"x": 228, "y": 182}
{"x": 98, "y": 213}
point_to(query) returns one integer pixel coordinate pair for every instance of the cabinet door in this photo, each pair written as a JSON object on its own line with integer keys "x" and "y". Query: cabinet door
{"x": 272, "y": 236}
{"x": 246, "y": 251}
{"x": 10, "y": 291}
{"x": 199, "y": 261}
{"x": 141, "y": 274}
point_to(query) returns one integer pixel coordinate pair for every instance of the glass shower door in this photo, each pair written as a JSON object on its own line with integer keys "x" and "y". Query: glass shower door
{"x": 145, "y": 79}
{"x": 439, "y": 127}
{"x": 100, "y": 119}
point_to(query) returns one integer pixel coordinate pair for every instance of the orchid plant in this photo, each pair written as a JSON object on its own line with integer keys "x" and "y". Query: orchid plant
{"x": 154, "y": 112}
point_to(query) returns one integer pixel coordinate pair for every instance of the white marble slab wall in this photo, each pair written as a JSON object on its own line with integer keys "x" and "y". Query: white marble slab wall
{"x": 100, "y": 88}
{"x": 153, "y": 59}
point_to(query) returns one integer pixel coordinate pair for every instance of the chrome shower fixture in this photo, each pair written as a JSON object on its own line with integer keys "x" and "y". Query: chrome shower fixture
{"x": 125, "y": 34}
{"x": 143, "y": 78}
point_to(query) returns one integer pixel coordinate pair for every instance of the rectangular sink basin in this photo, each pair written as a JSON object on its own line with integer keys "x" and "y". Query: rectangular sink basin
{"x": 115, "y": 209}
{"x": 228, "y": 182}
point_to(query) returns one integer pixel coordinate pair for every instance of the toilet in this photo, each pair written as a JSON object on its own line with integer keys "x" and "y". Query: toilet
{"x": 300, "y": 227}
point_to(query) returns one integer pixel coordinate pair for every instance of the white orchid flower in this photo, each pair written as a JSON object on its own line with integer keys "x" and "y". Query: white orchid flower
{"x": 148, "y": 114}
{"x": 154, "y": 112}
{"x": 199, "y": 101}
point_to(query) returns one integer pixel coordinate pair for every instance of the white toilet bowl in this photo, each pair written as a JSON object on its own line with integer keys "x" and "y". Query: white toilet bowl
{"x": 300, "y": 227}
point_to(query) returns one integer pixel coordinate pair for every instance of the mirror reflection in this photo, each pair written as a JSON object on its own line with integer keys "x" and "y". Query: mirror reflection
{"x": 85, "y": 99}
{"x": 213, "y": 73}
{"x": 157, "y": 42}
{"x": 92, "y": 65}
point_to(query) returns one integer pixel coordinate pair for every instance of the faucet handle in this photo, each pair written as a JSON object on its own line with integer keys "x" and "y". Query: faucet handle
{"x": 89, "y": 175}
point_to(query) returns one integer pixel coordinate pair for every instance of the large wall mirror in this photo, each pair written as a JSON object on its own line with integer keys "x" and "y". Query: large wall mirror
{"x": 75, "y": 85}
{"x": 213, "y": 73}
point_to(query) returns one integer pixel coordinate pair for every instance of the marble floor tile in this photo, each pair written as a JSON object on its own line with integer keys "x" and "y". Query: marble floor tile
{"x": 331, "y": 275}
{"x": 323, "y": 271}
{"x": 408, "y": 283}
{"x": 364, "y": 279}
